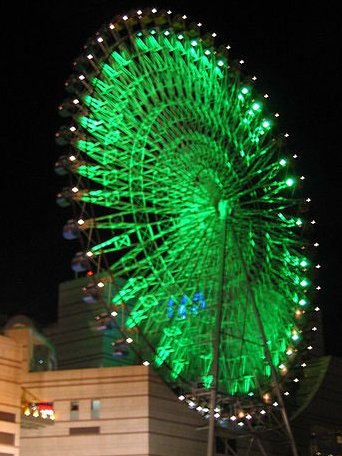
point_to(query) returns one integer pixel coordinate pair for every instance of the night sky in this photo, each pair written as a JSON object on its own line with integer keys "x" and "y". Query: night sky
{"x": 294, "y": 48}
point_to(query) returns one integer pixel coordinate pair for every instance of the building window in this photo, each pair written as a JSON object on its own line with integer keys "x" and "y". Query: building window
{"x": 84, "y": 430}
{"x": 6, "y": 416}
{"x": 74, "y": 410}
{"x": 6, "y": 438}
{"x": 95, "y": 409}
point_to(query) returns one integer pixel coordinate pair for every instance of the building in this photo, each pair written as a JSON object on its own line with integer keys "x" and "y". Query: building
{"x": 123, "y": 410}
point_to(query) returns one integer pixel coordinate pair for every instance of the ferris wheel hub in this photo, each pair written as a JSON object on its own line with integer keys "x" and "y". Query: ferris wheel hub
{"x": 223, "y": 209}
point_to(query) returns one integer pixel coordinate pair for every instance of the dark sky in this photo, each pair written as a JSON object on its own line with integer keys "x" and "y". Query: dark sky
{"x": 293, "y": 47}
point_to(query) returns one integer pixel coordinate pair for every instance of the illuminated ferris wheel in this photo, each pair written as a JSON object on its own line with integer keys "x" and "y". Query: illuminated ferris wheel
{"x": 185, "y": 191}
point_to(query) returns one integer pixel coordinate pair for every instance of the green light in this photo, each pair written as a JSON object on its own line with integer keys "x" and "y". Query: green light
{"x": 207, "y": 381}
{"x": 175, "y": 154}
{"x": 290, "y": 182}
{"x": 304, "y": 263}
{"x": 302, "y": 302}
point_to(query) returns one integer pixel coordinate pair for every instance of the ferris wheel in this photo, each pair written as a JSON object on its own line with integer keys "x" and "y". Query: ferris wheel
{"x": 185, "y": 190}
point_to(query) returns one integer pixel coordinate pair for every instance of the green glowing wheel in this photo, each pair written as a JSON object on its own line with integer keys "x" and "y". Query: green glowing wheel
{"x": 192, "y": 196}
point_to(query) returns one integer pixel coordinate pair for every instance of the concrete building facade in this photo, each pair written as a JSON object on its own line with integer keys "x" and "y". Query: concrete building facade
{"x": 110, "y": 411}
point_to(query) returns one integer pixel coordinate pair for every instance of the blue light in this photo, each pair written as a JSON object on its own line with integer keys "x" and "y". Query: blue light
{"x": 182, "y": 311}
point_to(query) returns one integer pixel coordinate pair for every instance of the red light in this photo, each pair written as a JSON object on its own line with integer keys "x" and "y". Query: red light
{"x": 45, "y": 406}
{"x": 90, "y": 273}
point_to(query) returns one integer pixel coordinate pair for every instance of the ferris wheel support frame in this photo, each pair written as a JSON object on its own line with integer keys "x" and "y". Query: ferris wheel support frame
{"x": 267, "y": 351}
{"x": 211, "y": 451}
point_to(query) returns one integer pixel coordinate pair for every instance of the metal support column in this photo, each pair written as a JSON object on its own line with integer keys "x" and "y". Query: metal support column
{"x": 211, "y": 448}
